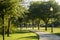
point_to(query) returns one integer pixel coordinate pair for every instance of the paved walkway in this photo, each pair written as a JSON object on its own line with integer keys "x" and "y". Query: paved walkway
{"x": 46, "y": 35}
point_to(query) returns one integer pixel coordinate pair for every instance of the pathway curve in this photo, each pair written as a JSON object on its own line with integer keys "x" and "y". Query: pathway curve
{"x": 46, "y": 35}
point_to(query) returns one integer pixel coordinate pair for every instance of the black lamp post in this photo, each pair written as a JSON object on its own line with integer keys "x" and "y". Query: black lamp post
{"x": 51, "y": 9}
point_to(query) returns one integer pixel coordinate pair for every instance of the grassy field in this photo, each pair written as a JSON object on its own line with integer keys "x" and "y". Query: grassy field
{"x": 22, "y": 35}
{"x": 56, "y": 30}
{"x": 42, "y": 29}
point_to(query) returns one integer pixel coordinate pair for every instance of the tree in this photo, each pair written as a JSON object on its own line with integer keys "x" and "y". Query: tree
{"x": 12, "y": 12}
{"x": 35, "y": 12}
{"x": 19, "y": 16}
{"x": 48, "y": 13}
{"x": 41, "y": 10}
{"x": 17, "y": 12}
{"x": 8, "y": 7}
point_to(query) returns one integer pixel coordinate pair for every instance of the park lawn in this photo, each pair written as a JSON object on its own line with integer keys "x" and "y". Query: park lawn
{"x": 42, "y": 29}
{"x": 24, "y": 34}
{"x": 56, "y": 30}
{"x": 21, "y": 36}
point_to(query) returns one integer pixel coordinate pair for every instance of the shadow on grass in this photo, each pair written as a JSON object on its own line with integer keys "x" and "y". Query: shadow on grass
{"x": 57, "y": 34}
{"x": 22, "y": 31}
{"x": 32, "y": 37}
{"x": 29, "y": 37}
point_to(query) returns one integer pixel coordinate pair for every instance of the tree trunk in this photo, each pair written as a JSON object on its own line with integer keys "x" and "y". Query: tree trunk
{"x": 38, "y": 24}
{"x": 20, "y": 27}
{"x": 46, "y": 22}
{"x": 32, "y": 24}
{"x": 3, "y": 32}
{"x": 52, "y": 28}
{"x": 46, "y": 26}
{"x": 26, "y": 25}
{"x": 38, "y": 27}
{"x": 8, "y": 30}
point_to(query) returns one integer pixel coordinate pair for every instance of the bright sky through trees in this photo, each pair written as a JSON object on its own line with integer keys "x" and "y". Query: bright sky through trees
{"x": 47, "y": 0}
{"x": 27, "y": 2}
{"x": 58, "y": 1}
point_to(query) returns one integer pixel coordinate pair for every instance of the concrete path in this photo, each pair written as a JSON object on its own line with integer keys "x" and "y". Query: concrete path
{"x": 46, "y": 35}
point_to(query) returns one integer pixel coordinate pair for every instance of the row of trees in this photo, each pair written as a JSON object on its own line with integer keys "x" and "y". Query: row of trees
{"x": 47, "y": 11}
{"x": 43, "y": 11}
{"x": 10, "y": 11}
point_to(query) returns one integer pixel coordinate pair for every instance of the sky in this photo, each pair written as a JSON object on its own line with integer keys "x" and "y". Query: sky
{"x": 26, "y": 2}
{"x": 58, "y": 1}
{"x": 47, "y": 0}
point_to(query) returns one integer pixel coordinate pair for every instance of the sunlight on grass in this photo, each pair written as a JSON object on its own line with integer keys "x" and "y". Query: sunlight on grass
{"x": 42, "y": 29}
{"x": 21, "y": 36}
{"x": 56, "y": 30}
{"x": 26, "y": 35}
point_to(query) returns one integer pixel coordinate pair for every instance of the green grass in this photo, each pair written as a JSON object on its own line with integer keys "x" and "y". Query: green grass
{"x": 22, "y": 35}
{"x": 56, "y": 30}
{"x": 42, "y": 29}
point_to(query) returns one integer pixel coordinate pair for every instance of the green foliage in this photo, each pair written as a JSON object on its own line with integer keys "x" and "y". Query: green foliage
{"x": 8, "y": 8}
{"x": 42, "y": 10}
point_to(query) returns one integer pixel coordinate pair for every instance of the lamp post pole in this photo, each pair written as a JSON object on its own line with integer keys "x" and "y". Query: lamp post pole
{"x": 51, "y": 9}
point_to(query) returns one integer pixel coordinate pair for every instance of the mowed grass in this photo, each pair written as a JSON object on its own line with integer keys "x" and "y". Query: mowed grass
{"x": 56, "y": 30}
{"x": 22, "y": 35}
{"x": 42, "y": 29}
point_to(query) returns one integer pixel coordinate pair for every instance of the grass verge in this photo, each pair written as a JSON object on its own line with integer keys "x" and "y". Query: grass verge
{"x": 21, "y": 35}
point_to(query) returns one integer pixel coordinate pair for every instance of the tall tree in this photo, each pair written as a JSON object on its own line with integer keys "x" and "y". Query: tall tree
{"x": 15, "y": 7}
{"x": 9, "y": 8}
{"x": 42, "y": 11}
{"x": 20, "y": 15}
